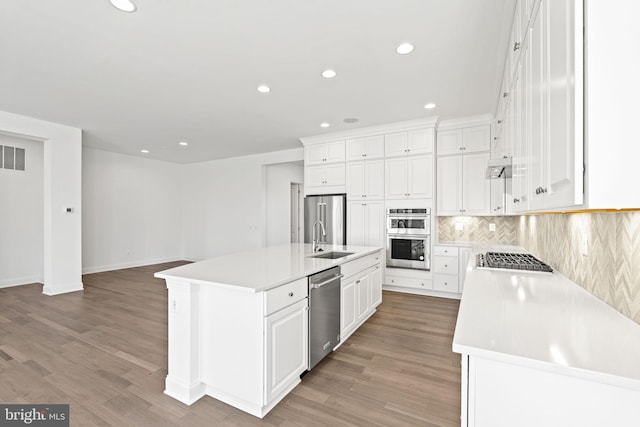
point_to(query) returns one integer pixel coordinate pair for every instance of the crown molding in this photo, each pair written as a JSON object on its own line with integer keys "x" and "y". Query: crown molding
{"x": 372, "y": 130}
{"x": 482, "y": 119}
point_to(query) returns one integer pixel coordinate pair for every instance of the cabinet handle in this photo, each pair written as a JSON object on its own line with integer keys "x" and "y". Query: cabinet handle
{"x": 504, "y": 95}
{"x": 544, "y": 190}
{"x": 445, "y": 266}
{"x": 421, "y": 284}
{"x": 290, "y": 294}
{"x": 516, "y": 200}
{"x": 357, "y": 281}
{"x": 516, "y": 46}
{"x": 446, "y": 284}
{"x": 499, "y": 121}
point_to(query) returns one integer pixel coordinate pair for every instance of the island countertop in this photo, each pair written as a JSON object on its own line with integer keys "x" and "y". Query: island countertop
{"x": 545, "y": 320}
{"x": 264, "y": 268}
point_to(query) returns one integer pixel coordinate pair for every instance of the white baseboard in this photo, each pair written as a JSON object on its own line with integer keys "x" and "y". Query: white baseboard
{"x": 130, "y": 264}
{"x": 62, "y": 289}
{"x": 19, "y": 281}
{"x": 426, "y": 292}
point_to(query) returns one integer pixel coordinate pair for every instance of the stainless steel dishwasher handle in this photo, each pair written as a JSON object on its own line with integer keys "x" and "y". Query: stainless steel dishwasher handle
{"x": 318, "y": 285}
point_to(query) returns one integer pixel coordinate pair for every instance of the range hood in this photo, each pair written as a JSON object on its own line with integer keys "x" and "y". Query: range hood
{"x": 499, "y": 168}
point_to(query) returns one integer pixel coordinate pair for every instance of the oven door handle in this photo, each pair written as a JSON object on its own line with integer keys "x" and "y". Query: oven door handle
{"x": 408, "y": 236}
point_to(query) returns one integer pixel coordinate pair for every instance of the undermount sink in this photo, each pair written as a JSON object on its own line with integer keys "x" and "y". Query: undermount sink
{"x": 331, "y": 255}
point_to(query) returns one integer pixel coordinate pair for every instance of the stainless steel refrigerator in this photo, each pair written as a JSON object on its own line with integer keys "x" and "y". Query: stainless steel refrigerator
{"x": 331, "y": 209}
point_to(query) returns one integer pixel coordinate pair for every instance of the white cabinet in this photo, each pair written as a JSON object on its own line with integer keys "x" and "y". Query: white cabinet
{"x": 468, "y": 140}
{"x": 409, "y": 177}
{"x": 325, "y": 179}
{"x": 328, "y": 152}
{"x": 365, "y": 223}
{"x": 365, "y": 180}
{"x": 286, "y": 335}
{"x": 370, "y": 147}
{"x": 409, "y": 143}
{"x": 462, "y": 188}
{"x": 445, "y": 269}
{"x": 360, "y": 292}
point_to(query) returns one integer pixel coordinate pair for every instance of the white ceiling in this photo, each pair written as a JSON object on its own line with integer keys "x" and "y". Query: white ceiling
{"x": 187, "y": 70}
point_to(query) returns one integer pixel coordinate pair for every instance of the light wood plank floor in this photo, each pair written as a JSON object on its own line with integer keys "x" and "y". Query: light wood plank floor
{"x": 104, "y": 351}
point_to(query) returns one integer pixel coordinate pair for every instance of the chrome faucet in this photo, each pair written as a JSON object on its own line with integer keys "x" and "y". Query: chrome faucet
{"x": 316, "y": 242}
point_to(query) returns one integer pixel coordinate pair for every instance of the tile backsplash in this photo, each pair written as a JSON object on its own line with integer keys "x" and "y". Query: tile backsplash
{"x": 611, "y": 268}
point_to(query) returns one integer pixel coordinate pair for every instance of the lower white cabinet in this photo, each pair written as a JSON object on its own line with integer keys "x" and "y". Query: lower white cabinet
{"x": 360, "y": 294}
{"x": 446, "y": 268}
{"x": 286, "y": 335}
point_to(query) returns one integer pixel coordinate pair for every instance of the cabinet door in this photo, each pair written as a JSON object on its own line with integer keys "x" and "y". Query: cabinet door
{"x": 357, "y": 223}
{"x": 476, "y": 188}
{"x": 420, "y": 176}
{"x": 286, "y": 347}
{"x": 420, "y": 141}
{"x": 395, "y": 144}
{"x": 363, "y": 293}
{"x": 335, "y": 174}
{"x": 347, "y": 307}
{"x": 449, "y": 183}
{"x": 463, "y": 262}
{"x": 395, "y": 176}
{"x": 476, "y": 138}
{"x": 537, "y": 113}
{"x": 356, "y": 178}
{"x": 498, "y": 195}
{"x": 449, "y": 142}
{"x": 375, "y": 282}
{"x": 374, "y": 179}
{"x": 375, "y": 224}
{"x": 335, "y": 152}
{"x": 355, "y": 149}
{"x": 560, "y": 173}
{"x": 314, "y": 176}
{"x": 374, "y": 147}
{"x": 315, "y": 154}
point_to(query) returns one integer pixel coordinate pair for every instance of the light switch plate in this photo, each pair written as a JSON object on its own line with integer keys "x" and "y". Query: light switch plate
{"x": 459, "y": 226}
{"x": 492, "y": 227}
{"x": 584, "y": 245}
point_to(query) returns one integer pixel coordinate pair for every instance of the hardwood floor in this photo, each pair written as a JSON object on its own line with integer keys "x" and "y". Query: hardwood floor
{"x": 104, "y": 351}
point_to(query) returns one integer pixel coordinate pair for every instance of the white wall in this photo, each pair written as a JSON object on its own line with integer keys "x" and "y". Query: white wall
{"x": 62, "y": 189}
{"x": 132, "y": 213}
{"x": 224, "y": 203}
{"x": 22, "y": 216}
{"x": 278, "y": 200}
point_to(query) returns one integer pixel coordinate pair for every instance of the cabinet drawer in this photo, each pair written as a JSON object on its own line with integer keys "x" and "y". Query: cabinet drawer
{"x": 351, "y": 268}
{"x": 278, "y": 298}
{"x": 445, "y": 283}
{"x": 445, "y": 265}
{"x": 445, "y": 250}
{"x": 408, "y": 282}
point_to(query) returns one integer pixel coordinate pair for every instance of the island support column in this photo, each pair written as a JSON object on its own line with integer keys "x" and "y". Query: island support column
{"x": 183, "y": 380}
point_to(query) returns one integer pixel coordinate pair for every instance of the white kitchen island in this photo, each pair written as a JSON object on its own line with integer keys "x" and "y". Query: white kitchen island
{"x": 539, "y": 350}
{"x": 238, "y": 324}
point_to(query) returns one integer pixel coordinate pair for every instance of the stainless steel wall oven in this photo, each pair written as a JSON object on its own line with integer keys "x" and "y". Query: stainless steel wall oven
{"x": 409, "y": 238}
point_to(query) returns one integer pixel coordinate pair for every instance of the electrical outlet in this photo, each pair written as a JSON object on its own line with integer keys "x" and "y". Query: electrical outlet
{"x": 492, "y": 227}
{"x": 459, "y": 226}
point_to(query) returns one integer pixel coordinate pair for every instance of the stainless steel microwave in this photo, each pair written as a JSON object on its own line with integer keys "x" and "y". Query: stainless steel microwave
{"x": 409, "y": 221}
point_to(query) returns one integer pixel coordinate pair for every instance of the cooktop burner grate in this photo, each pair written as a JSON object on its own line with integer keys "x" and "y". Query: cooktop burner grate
{"x": 512, "y": 261}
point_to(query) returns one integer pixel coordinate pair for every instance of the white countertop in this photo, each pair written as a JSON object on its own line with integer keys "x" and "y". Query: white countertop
{"x": 547, "y": 321}
{"x": 262, "y": 269}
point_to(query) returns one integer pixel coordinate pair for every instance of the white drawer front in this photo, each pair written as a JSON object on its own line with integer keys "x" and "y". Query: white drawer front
{"x": 285, "y": 295}
{"x": 445, "y": 265}
{"x": 351, "y": 268}
{"x": 445, "y": 250}
{"x": 408, "y": 282}
{"x": 445, "y": 283}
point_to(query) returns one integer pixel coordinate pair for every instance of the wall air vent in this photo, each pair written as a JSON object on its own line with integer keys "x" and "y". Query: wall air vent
{"x": 12, "y": 158}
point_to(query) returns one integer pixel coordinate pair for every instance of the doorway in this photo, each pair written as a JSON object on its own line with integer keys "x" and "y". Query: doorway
{"x": 296, "y": 212}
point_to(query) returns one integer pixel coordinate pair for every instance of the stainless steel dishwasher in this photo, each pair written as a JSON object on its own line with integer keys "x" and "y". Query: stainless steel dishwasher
{"x": 324, "y": 314}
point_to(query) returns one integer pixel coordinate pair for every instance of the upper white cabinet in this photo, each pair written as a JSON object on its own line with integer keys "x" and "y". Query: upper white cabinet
{"x": 466, "y": 140}
{"x": 463, "y": 154}
{"x": 328, "y": 152}
{"x": 409, "y": 177}
{"x": 409, "y": 143}
{"x": 325, "y": 179}
{"x": 370, "y": 147}
{"x": 365, "y": 180}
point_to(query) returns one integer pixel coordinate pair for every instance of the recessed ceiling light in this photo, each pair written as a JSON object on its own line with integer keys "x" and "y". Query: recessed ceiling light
{"x": 404, "y": 48}
{"x": 144, "y": 151}
{"x": 324, "y": 125}
{"x": 184, "y": 144}
{"x": 430, "y": 105}
{"x": 328, "y": 74}
{"x": 350, "y": 120}
{"x": 124, "y": 5}
{"x": 264, "y": 89}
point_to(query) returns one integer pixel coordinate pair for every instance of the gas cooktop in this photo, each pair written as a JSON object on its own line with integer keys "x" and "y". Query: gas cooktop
{"x": 511, "y": 261}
